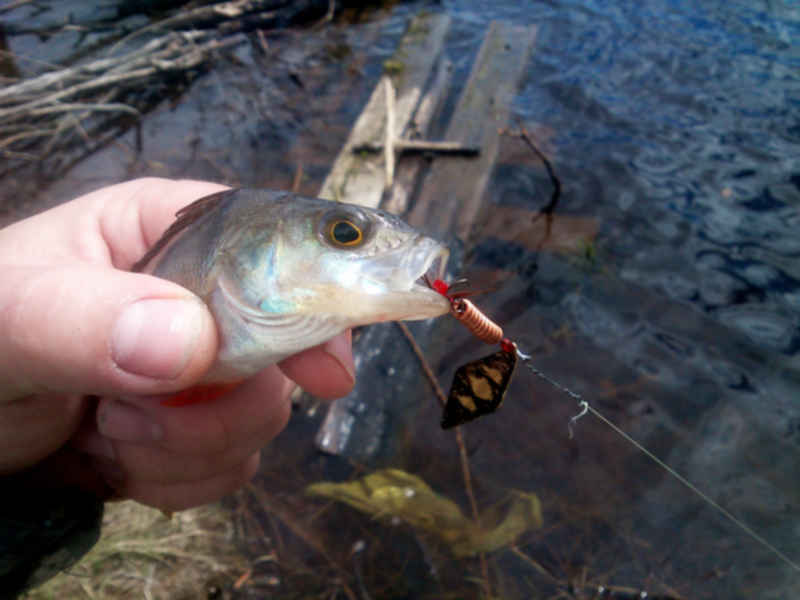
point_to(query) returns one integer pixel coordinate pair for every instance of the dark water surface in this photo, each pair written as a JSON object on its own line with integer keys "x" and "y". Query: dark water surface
{"x": 674, "y": 128}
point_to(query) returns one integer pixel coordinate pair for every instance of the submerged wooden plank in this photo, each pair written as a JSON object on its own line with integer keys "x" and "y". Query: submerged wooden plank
{"x": 369, "y": 423}
{"x": 407, "y": 172}
{"x": 451, "y": 196}
{"x": 360, "y": 178}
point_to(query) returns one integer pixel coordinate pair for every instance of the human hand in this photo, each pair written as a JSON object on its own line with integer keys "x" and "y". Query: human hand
{"x": 76, "y": 323}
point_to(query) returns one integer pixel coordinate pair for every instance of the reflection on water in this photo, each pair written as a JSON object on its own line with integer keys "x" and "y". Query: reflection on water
{"x": 671, "y": 301}
{"x": 677, "y": 127}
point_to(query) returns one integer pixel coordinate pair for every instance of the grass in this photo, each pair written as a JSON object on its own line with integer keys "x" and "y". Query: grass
{"x": 143, "y": 553}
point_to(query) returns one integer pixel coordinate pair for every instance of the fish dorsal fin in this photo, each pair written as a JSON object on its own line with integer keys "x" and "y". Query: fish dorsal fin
{"x": 191, "y": 213}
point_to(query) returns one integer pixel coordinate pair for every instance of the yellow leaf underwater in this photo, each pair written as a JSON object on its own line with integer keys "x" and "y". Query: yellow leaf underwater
{"x": 390, "y": 493}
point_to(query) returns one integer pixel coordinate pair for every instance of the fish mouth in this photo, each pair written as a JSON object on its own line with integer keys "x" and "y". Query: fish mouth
{"x": 433, "y": 268}
{"x": 403, "y": 292}
{"x": 427, "y": 264}
{"x": 392, "y": 288}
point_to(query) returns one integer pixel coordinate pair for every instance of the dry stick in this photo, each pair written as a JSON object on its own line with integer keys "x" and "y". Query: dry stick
{"x": 583, "y": 585}
{"x": 298, "y": 179}
{"x": 221, "y": 11}
{"x": 285, "y": 517}
{"x": 18, "y": 155}
{"x": 404, "y": 145}
{"x": 187, "y": 61}
{"x": 57, "y": 78}
{"x": 85, "y": 106}
{"x": 12, "y": 5}
{"x": 423, "y": 363}
{"x": 16, "y": 57}
{"x": 462, "y": 447}
{"x": 328, "y": 15}
{"x": 389, "y": 141}
{"x": 81, "y": 87}
{"x": 71, "y": 120}
{"x": 24, "y": 134}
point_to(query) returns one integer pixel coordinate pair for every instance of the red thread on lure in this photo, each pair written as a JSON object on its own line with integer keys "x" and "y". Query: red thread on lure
{"x": 506, "y": 345}
{"x": 440, "y": 286}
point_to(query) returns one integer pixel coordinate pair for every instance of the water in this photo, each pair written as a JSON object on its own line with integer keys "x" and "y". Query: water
{"x": 674, "y": 128}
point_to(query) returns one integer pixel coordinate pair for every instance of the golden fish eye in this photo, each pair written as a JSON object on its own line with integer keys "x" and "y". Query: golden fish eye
{"x": 345, "y": 233}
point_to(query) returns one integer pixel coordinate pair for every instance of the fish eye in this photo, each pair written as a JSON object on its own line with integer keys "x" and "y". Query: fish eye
{"x": 343, "y": 232}
{"x": 346, "y": 227}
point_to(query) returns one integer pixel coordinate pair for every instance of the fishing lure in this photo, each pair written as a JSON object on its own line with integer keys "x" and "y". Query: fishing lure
{"x": 479, "y": 387}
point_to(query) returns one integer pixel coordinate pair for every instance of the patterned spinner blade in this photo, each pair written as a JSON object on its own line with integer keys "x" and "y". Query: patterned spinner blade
{"x": 479, "y": 388}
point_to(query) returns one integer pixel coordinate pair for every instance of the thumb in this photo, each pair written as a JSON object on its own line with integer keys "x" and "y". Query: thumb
{"x": 97, "y": 330}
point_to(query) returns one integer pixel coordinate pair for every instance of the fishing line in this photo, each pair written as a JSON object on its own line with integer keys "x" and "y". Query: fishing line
{"x": 587, "y": 408}
{"x": 479, "y": 387}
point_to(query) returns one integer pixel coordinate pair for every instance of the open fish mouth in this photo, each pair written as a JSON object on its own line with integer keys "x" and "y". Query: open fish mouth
{"x": 433, "y": 268}
{"x": 407, "y": 294}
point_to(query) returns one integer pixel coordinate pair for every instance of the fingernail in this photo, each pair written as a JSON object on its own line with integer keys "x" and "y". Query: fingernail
{"x": 156, "y": 337}
{"x": 340, "y": 349}
{"x": 120, "y": 421}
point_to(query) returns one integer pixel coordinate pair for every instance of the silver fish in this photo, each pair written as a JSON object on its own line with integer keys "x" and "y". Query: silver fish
{"x": 282, "y": 272}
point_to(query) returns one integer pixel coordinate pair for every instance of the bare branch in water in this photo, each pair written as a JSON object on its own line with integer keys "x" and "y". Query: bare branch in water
{"x": 99, "y": 92}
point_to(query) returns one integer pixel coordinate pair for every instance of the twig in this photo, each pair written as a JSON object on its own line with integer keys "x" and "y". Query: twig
{"x": 298, "y": 179}
{"x": 556, "y": 194}
{"x": 262, "y": 41}
{"x": 59, "y": 77}
{"x": 388, "y": 143}
{"x": 392, "y": 142}
{"x": 183, "y": 62}
{"x": 85, "y": 106}
{"x": 55, "y": 110}
{"x": 423, "y": 146}
{"x": 25, "y": 134}
{"x": 437, "y": 389}
{"x": 219, "y": 11}
{"x": 12, "y": 5}
{"x": 462, "y": 447}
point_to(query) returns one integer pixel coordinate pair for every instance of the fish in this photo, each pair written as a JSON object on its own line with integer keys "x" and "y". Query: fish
{"x": 281, "y": 272}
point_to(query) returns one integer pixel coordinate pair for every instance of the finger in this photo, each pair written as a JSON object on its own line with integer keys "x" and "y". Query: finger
{"x": 147, "y": 206}
{"x": 327, "y": 370}
{"x": 153, "y": 464}
{"x": 140, "y": 439}
{"x": 33, "y": 427}
{"x": 256, "y": 410}
{"x": 112, "y": 226}
{"x": 98, "y": 330}
{"x": 180, "y": 496}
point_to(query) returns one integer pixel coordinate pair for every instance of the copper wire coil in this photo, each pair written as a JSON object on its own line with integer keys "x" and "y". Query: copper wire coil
{"x": 478, "y": 323}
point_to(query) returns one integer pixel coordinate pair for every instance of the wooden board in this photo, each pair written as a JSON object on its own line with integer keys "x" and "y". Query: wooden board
{"x": 368, "y": 424}
{"x": 451, "y": 196}
{"x": 359, "y": 178}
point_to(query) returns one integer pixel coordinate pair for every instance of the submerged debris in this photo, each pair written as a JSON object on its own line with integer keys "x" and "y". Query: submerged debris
{"x": 393, "y": 493}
